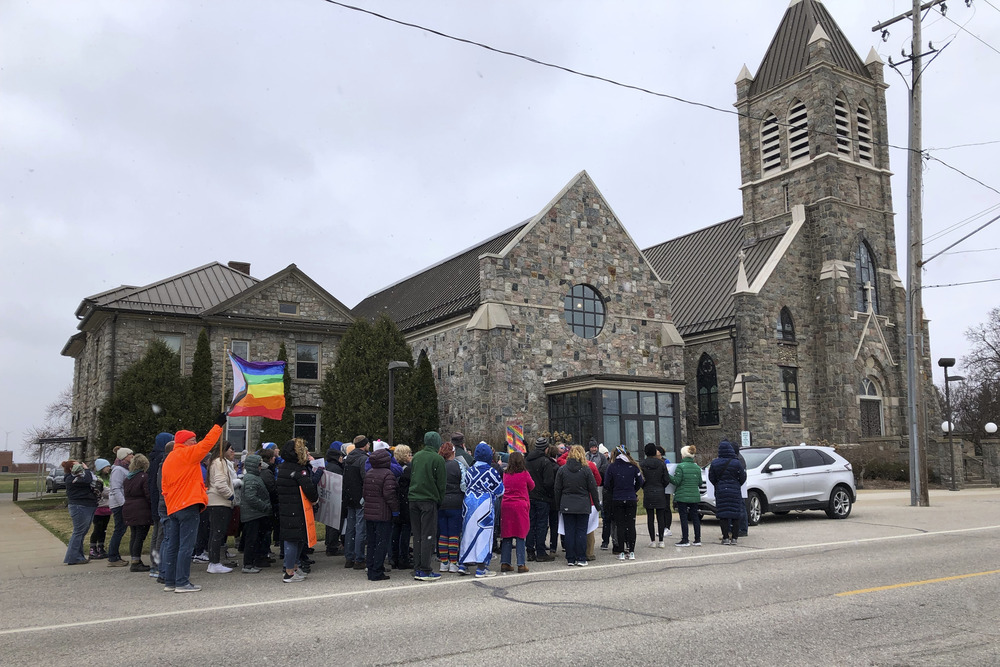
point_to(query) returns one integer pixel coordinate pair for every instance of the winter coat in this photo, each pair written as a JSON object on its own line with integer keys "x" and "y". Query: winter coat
{"x": 354, "y": 478}
{"x": 136, "y": 510}
{"x": 269, "y": 477}
{"x": 183, "y": 485}
{"x": 601, "y": 461}
{"x": 654, "y": 474}
{"x": 622, "y": 481}
{"x": 256, "y": 499}
{"x": 575, "y": 488}
{"x": 727, "y": 474}
{"x": 403, "y": 492}
{"x": 220, "y": 484}
{"x": 80, "y": 489}
{"x": 428, "y": 477}
{"x": 687, "y": 480}
{"x": 104, "y": 482}
{"x": 515, "y": 504}
{"x": 543, "y": 472}
{"x": 155, "y": 462}
{"x": 380, "y": 488}
{"x": 293, "y": 481}
{"x": 453, "y": 494}
{"x": 118, "y": 475}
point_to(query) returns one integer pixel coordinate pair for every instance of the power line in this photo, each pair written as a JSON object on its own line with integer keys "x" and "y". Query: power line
{"x": 971, "y": 282}
{"x": 965, "y": 30}
{"x": 972, "y": 233}
{"x": 956, "y": 169}
{"x": 960, "y": 252}
{"x": 613, "y": 82}
{"x": 980, "y": 143}
{"x": 960, "y": 224}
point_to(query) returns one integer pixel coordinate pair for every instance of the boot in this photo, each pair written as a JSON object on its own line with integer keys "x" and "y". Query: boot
{"x": 94, "y": 552}
{"x": 101, "y": 551}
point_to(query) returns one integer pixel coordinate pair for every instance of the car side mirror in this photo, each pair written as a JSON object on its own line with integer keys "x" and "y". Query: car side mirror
{"x": 774, "y": 467}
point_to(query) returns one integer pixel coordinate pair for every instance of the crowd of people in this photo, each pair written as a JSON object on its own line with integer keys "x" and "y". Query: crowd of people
{"x": 441, "y": 510}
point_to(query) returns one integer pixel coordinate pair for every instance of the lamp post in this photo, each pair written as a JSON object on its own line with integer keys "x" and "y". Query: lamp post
{"x": 744, "y": 378}
{"x": 393, "y": 365}
{"x": 949, "y": 426}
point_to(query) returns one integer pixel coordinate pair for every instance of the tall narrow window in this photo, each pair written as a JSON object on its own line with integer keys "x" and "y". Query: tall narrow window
{"x": 842, "y": 120}
{"x": 871, "y": 409}
{"x": 307, "y": 361}
{"x": 798, "y": 133}
{"x": 770, "y": 144}
{"x": 864, "y": 135}
{"x": 786, "y": 328}
{"x": 708, "y": 392}
{"x": 306, "y": 426}
{"x": 866, "y": 286}
{"x": 789, "y": 396}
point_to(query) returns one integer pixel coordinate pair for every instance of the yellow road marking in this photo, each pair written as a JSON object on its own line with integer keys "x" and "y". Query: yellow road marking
{"x": 916, "y": 583}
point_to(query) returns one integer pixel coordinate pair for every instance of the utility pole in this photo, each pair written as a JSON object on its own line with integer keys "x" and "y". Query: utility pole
{"x": 915, "y": 381}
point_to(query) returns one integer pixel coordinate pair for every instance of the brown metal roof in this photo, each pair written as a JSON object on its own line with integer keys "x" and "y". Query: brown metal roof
{"x": 788, "y": 53}
{"x": 448, "y": 288}
{"x": 190, "y": 292}
{"x": 703, "y": 267}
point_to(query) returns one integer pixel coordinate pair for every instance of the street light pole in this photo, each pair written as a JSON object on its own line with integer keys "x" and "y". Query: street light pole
{"x": 949, "y": 426}
{"x": 393, "y": 365}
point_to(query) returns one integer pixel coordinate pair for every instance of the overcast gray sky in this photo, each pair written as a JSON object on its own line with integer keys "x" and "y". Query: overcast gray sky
{"x": 141, "y": 139}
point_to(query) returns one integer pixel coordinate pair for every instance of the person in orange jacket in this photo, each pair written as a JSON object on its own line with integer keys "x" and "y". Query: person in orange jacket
{"x": 185, "y": 496}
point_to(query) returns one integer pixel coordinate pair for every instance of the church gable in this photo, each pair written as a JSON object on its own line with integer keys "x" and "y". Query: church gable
{"x": 289, "y": 294}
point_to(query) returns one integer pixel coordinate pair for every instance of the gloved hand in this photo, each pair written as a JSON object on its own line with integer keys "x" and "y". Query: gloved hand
{"x": 221, "y": 419}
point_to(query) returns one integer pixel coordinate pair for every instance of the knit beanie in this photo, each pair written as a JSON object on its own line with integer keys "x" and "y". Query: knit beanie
{"x": 182, "y": 437}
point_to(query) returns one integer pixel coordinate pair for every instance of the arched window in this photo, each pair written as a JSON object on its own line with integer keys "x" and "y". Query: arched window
{"x": 708, "y": 392}
{"x": 842, "y": 120}
{"x": 790, "y": 395}
{"x": 871, "y": 409}
{"x": 786, "y": 328}
{"x": 770, "y": 144}
{"x": 866, "y": 279}
{"x": 865, "y": 135}
{"x": 584, "y": 310}
{"x": 798, "y": 132}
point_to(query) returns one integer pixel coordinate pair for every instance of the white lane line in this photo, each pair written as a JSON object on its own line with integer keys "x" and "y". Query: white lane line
{"x": 468, "y": 579}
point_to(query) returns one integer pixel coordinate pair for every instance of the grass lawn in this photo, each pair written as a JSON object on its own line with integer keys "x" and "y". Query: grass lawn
{"x": 29, "y": 482}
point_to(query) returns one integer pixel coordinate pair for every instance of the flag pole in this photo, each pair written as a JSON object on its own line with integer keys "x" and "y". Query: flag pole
{"x": 225, "y": 353}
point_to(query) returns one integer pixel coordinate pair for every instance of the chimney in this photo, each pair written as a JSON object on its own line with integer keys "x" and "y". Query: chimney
{"x": 242, "y": 267}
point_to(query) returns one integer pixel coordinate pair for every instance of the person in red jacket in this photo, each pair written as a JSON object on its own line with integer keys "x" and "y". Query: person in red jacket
{"x": 185, "y": 496}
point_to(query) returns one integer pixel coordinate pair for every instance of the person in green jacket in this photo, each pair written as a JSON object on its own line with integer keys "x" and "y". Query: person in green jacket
{"x": 427, "y": 484}
{"x": 687, "y": 495}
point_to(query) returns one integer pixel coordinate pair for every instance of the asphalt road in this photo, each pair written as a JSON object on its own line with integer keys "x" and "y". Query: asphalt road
{"x": 795, "y": 592}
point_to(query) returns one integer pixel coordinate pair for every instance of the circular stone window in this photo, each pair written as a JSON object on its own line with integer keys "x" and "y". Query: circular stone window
{"x": 584, "y": 309}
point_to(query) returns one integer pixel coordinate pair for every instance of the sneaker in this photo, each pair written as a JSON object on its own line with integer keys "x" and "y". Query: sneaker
{"x": 453, "y": 568}
{"x": 200, "y": 558}
{"x": 521, "y": 569}
{"x": 445, "y": 566}
{"x": 506, "y": 567}
{"x": 117, "y": 563}
{"x": 462, "y": 570}
{"x": 725, "y": 541}
{"x": 169, "y": 589}
{"x": 571, "y": 563}
{"x": 250, "y": 570}
{"x": 621, "y": 556}
{"x": 138, "y": 566}
{"x": 631, "y": 555}
{"x": 484, "y": 574}
{"x": 544, "y": 558}
{"x": 604, "y": 546}
{"x": 531, "y": 556}
{"x": 360, "y": 565}
{"x": 381, "y": 577}
{"x": 293, "y": 578}
{"x": 696, "y": 543}
{"x": 430, "y": 576}
{"x": 660, "y": 545}
{"x": 581, "y": 563}
{"x": 348, "y": 564}
{"x": 652, "y": 545}
{"x": 733, "y": 542}
{"x": 667, "y": 533}
{"x": 682, "y": 543}
{"x": 161, "y": 581}
{"x": 154, "y": 574}
{"x": 187, "y": 588}
{"x": 218, "y": 568}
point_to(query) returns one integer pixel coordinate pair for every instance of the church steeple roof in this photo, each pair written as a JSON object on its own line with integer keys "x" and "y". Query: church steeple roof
{"x": 788, "y": 53}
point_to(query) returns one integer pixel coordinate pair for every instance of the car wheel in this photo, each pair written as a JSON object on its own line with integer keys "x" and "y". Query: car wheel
{"x": 756, "y": 508}
{"x": 840, "y": 503}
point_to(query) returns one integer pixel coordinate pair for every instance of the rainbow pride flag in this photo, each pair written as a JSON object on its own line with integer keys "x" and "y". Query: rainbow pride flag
{"x": 515, "y": 438}
{"x": 258, "y": 388}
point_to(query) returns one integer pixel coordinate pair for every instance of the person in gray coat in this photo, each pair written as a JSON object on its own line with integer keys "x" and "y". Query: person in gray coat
{"x": 575, "y": 492}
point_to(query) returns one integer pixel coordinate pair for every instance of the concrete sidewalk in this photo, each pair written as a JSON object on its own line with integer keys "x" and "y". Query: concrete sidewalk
{"x": 27, "y": 549}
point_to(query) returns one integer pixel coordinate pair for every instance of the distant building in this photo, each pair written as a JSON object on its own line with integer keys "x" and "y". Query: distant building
{"x": 7, "y": 464}
{"x": 248, "y": 316}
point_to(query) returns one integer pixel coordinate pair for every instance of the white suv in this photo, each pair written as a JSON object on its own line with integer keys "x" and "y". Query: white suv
{"x": 782, "y": 479}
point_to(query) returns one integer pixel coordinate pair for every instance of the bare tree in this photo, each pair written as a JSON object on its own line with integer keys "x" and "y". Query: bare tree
{"x": 983, "y": 359}
{"x": 57, "y": 424}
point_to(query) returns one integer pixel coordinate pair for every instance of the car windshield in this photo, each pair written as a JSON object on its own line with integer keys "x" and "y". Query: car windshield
{"x": 754, "y": 456}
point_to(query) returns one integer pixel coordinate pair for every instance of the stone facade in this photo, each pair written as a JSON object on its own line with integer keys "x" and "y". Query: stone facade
{"x": 487, "y": 377}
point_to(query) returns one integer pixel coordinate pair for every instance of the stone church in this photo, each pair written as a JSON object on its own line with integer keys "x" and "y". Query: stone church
{"x": 785, "y": 323}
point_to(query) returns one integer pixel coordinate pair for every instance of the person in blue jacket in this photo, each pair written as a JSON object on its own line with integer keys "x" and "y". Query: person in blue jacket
{"x": 727, "y": 474}
{"x": 621, "y": 483}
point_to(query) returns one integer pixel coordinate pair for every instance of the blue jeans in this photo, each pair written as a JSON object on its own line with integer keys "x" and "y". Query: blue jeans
{"x": 539, "y": 518}
{"x": 744, "y": 519}
{"x": 575, "y": 538}
{"x": 292, "y": 550}
{"x": 354, "y": 536}
{"x": 81, "y": 515}
{"x": 378, "y": 547}
{"x": 505, "y": 550}
{"x": 178, "y": 545}
{"x": 116, "y": 536}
